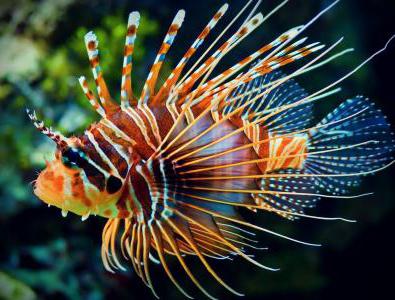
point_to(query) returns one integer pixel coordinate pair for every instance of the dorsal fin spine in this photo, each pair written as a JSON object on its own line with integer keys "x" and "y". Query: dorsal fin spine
{"x": 126, "y": 85}
{"x": 92, "y": 44}
{"x": 89, "y": 95}
{"x": 149, "y": 87}
{"x": 174, "y": 76}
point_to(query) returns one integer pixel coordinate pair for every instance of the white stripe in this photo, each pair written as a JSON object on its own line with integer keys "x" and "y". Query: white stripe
{"x": 151, "y": 118}
{"x": 140, "y": 124}
{"x": 87, "y": 183}
{"x": 154, "y": 195}
{"x": 117, "y": 147}
{"x": 101, "y": 153}
{"x": 171, "y": 107}
{"x": 118, "y": 131}
{"x": 137, "y": 204}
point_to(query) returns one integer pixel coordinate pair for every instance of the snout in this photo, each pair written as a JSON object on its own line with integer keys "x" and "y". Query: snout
{"x": 49, "y": 187}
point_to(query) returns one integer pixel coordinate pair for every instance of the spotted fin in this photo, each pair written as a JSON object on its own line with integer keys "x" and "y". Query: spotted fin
{"x": 355, "y": 138}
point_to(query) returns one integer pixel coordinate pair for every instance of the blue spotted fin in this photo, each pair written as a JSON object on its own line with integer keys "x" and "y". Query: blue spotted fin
{"x": 358, "y": 139}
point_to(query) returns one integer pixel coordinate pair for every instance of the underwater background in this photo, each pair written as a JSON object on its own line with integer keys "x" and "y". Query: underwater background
{"x": 42, "y": 53}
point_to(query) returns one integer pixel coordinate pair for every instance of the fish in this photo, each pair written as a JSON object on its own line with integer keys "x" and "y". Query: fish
{"x": 174, "y": 169}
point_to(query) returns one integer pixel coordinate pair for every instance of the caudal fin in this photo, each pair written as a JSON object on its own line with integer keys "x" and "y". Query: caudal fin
{"x": 354, "y": 139}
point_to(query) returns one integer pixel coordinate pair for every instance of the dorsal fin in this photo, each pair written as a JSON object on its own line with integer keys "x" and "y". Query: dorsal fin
{"x": 126, "y": 85}
{"x": 149, "y": 87}
{"x": 205, "y": 67}
{"x": 174, "y": 76}
{"x": 91, "y": 97}
{"x": 92, "y": 44}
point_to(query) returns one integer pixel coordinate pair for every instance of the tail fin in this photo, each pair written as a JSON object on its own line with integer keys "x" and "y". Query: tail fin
{"x": 353, "y": 139}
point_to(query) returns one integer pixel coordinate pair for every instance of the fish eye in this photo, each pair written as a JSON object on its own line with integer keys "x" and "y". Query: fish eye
{"x": 113, "y": 184}
{"x": 71, "y": 157}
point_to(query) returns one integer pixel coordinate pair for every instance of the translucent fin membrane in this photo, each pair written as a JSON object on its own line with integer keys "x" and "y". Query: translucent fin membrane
{"x": 370, "y": 124}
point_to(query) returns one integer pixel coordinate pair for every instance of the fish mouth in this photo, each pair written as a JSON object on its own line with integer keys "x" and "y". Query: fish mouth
{"x": 54, "y": 198}
{"x": 47, "y": 194}
{"x": 49, "y": 187}
{"x": 53, "y": 186}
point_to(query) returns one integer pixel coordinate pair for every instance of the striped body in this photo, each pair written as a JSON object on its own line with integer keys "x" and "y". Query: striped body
{"x": 108, "y": 148}
{"x": 172, "y": 168}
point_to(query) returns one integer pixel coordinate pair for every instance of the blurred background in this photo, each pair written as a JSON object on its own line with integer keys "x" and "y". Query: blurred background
{"x": 45, "y": 256}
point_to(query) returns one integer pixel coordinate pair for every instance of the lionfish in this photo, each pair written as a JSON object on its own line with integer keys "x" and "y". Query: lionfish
{"x": 172, "y": 169}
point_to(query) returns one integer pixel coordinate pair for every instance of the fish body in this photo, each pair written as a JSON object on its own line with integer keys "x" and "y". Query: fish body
{"x": 172, "y": 169}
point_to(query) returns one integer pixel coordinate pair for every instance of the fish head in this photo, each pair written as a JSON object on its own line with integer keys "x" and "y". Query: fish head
{"x": 74, "y": 182}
